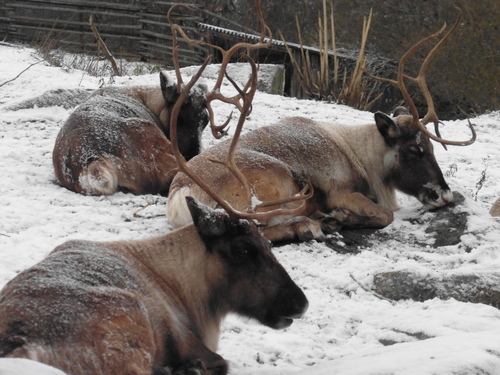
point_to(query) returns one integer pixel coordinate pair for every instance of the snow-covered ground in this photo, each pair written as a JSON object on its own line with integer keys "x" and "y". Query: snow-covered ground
{"x": 347, "y": 329}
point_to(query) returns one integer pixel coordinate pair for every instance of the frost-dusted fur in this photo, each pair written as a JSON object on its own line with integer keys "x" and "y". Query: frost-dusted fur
{"x": 354, "y": 172}
{"x": 118, "y": 139}
{"x": 146, "y": 307}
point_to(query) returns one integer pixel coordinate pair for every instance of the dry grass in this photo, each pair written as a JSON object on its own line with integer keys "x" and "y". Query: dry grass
{"x": 93, "y": 65}
{"x": 329, "y": 82}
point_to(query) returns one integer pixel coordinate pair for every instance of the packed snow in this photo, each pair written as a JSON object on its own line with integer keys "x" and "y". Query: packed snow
{"x": 348, "y": 329}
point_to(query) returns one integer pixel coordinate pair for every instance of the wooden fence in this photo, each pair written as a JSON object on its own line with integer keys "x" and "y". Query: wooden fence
{"x": 131, "y": 29}
{"x": 138, "y": 30}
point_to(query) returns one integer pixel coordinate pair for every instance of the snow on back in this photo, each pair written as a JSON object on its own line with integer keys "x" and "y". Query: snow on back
{"x": 347, "y": 329}
{"x": 20, "y": 366}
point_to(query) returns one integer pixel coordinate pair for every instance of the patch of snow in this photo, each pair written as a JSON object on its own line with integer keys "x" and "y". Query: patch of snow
{"x": 347, "y": 329}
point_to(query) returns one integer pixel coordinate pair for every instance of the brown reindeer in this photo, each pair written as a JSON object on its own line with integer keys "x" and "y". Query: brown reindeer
{"x": 153, "y": 306}
{"x": 354, "y": 171}
{"x": 117, "y": 140}
{"x": 150, "y": 306}
{"x": 143, "y": 307}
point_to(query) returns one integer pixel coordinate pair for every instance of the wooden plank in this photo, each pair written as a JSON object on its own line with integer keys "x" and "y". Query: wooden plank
{"x": 66, "y": 31}
{"x": 148, "y": 43}
{"x": 90, "y": 4}
{"x": 92, "y": 49}
{"x": 65, "y": 24}
{"x": 133, "y": 29}
{"x": 74, "y": 10}
{"x": 165, "y": 36}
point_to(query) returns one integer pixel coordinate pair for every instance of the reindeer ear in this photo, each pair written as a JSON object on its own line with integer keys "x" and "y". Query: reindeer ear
{"x": 209, "y": 222}
{"x": 401, "y": 111}
{"x": 168, "y": 88}
{"x": 387, "y": 128}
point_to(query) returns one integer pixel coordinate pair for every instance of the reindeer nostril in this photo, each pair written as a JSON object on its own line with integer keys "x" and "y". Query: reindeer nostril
{"x": 433, "y": 195}
{"x": 447, "y": 196}
{"x": 300, "y": 307}
{"x": 303, "y": 308}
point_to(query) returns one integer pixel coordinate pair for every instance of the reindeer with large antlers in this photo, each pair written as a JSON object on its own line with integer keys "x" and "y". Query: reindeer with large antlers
{"x": 155, "y": 306}
{"x": 350, "y": 174}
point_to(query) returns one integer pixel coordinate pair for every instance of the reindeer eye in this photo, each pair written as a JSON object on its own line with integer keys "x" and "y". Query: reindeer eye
{"x": 415, "y": 151}
{"x": 242, "y": 252}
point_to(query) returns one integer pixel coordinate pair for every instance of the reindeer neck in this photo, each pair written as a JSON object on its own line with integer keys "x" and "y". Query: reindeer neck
{"x": 179, "y": 262}
{"x": 152, "y": 98}
{"x": 367, "y": 150}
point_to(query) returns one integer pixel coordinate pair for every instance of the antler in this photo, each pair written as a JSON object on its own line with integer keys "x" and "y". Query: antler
{"x": 420, "y": 80}
{"x": 243, "y": 101}
{"x": 218, "y": 131}
{"x": 175, "y": 50}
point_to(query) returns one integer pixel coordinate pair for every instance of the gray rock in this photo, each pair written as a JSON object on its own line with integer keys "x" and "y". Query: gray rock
{"x": 66, "y": 98}
{"x": 402, "y": 285}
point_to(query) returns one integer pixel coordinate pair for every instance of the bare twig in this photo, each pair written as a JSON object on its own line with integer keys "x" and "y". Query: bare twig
{"x": 1, "y": 234}
{"x": 104, "y": 49}
{"x": 370, "y": 291}
{"x": 16, "y": 77}
{"x": 140, "y": 209}
{"x": 136, "y": 212}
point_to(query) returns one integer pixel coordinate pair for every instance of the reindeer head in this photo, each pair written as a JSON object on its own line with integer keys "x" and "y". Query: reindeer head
{"x": 414, "y": 167}
{"x": 193, "y": 115}
{"x": 254, "y": 284}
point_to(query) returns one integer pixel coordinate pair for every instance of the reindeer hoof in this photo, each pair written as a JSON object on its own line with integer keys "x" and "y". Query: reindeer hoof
{"x": 330, "y": 222}
{"x": 330, "y": 225}
{"x": 193, "y": 367}
{"x": 306, "y": 229}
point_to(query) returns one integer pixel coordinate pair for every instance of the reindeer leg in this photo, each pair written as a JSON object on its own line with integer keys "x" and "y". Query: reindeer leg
{"x": 193, "y": 367}
{"x": 357, "y": 211}
{"x": 331, "y": 222}
{"x": 299, "y": 228}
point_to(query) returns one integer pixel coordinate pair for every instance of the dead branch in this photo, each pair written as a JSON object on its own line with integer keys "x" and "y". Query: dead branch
{"x": 103, "y": 47}
{"x": 16, "y": 77}
{"x": 368, "y": 290}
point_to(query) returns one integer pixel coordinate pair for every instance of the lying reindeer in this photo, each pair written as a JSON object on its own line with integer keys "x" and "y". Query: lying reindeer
{"x": 117, "y": 140}
{"x": 150, "y": 306}
{"x": 354, "y": 171}
{"x": 144, "y": 307}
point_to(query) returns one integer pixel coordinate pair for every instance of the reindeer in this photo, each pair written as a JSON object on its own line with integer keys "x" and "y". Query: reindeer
{"x": 151, "y": 306}
{"x": 351, "y": 173}
{"x": 118, "y": 139}
{"x": 144, "y": 307}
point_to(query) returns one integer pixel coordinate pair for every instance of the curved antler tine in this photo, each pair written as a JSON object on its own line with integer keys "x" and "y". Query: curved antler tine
{"x": 438, "y": 134}
{"x": 175, "y": 49}
{"x": 263, "y": 217}
{"x": 445, "y": 142}
{"x": 181, "y": 161}
{"x": 243, "y": 101}
{"x": 247, "y": 103}
{"x": 306, "y": 193}
{"x": 219, "y": 131}
{"x": 179, "y": 29}
{"x": 420, "y": 80}
{"x": 401, "y": 75}
{"x": 431, "y": 115}
{"x": 395, "y": 83}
